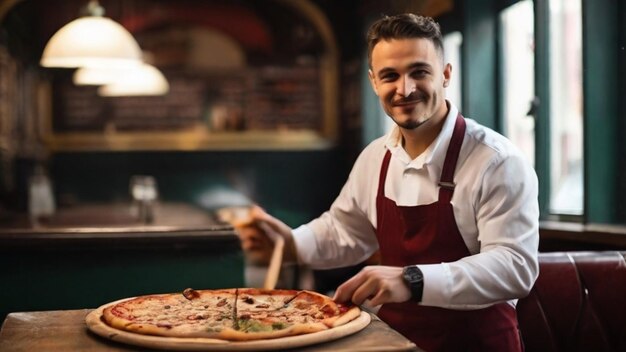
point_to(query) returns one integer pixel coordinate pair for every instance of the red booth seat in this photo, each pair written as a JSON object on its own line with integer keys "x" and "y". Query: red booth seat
{"x": 577, "y": 304}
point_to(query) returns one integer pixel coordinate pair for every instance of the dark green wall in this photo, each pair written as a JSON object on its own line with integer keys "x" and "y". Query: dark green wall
{"x": 295, "y": 186}
{"x": 600, "y": 63}
{"x": 73, "y": 278}
{"x": 479, "y": 61}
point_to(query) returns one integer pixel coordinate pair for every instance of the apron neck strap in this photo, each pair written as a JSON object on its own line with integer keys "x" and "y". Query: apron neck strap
{"x": 383, "y": 174}
{"x": 446, "y": 181}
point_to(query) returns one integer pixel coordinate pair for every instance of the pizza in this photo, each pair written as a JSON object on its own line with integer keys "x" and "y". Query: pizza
{"x": 238, "y": 314}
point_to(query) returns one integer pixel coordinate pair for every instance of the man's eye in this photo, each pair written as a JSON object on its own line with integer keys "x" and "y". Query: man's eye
{"x": 419, "y": 73}
{"x": 388, "y": 77}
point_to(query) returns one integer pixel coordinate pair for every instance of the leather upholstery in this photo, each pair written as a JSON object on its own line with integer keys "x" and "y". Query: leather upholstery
{"x": 577, "y": 304}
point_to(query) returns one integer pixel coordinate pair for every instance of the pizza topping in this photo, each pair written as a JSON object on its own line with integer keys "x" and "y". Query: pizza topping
{"x": 279, "y": 326}
{"x": 343, "y": 308}
{"x": 249, "y": 325}
{"x": 196, "y": 317}
{"x": 262, "y": 306}
{"x": 302, "y": 305}
{"x": 190, "y": 294}
{"x": 221, "y": 303}
{"x": 248, "y": 299}
{"x": 254, "y": 325}
{"x": 289, "y": 300}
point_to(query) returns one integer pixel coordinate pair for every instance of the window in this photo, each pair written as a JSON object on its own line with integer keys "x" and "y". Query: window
{"x": 518, "y": 76}
{"x": 559, "y": 161}
{"x": 566, "y": 107}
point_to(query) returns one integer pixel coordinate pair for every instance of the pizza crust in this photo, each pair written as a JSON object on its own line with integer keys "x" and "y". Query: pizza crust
{"x": 346, "y": 317}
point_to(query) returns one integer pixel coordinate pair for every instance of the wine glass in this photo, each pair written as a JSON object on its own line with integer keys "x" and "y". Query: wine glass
{"x": 144, "y": 192}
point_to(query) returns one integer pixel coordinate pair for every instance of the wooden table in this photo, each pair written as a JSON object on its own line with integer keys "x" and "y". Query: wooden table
{"x": 65, "y": 330}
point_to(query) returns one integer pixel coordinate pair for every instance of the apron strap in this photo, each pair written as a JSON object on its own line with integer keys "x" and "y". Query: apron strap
{"x": 383, "y": 174}
{"x": 446, "y": 181}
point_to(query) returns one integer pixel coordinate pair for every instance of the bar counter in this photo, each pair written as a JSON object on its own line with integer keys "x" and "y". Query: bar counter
{"x": 87, "y": 255}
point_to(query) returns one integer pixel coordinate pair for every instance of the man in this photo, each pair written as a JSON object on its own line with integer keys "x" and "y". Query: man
{"x": 450, "y": 205}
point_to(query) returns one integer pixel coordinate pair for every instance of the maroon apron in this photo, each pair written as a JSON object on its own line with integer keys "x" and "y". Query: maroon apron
{"x": 427, "y": 234}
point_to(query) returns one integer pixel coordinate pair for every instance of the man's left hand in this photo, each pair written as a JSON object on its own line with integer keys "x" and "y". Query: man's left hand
{"x": 379, "y": 284}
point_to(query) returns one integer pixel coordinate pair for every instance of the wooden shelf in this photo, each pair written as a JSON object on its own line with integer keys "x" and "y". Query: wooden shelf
{"x": 189, "y": 141}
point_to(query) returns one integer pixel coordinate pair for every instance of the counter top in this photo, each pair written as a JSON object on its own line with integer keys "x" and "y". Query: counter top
{"x": 107, "y": 224}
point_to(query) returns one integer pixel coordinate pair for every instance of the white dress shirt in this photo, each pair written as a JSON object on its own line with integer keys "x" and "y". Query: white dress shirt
{"x": 495, "y": 207}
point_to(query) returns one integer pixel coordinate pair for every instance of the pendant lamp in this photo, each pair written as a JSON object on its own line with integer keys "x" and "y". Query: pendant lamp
{"x": 92, "y": 41}
{"x": 142, "y": 80}
{"x": 97, "y": 76}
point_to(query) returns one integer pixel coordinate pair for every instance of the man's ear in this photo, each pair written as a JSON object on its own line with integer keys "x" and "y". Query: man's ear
{"x": 447, "y": 74}
{"x": 370, "y": 74}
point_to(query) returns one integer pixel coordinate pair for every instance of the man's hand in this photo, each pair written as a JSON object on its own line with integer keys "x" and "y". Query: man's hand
{"x": 379, "y": 284}
{"x": 256, "y": 236}
{"x": 256, "y": 245}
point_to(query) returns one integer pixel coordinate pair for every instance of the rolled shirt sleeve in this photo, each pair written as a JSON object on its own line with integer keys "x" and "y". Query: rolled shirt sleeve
{"x": 506, "y": 267}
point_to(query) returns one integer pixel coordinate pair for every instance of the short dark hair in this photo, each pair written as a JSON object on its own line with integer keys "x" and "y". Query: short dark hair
{"x": 404, "y": 26}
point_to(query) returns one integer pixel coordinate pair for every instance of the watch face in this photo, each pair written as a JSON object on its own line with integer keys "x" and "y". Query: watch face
{"x": 412, "y": 274}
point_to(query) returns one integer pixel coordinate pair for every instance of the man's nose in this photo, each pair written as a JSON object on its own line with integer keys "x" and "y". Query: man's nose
{"x": 406, "y": 86}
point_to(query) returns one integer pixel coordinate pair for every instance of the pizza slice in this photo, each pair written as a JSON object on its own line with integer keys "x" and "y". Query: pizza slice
{"x": 264, "y": 314}
{"x": 316, "y": 307}
{"x": 259, "y": 315}
{"x": 203, "y": 313}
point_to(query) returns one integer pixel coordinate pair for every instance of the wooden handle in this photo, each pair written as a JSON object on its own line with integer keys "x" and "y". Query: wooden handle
{"x": 273, "y": 270}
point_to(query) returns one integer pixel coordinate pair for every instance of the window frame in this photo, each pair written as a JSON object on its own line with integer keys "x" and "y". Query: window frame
{"x": 600, "y": 98}
{"x": 600, "y": 111}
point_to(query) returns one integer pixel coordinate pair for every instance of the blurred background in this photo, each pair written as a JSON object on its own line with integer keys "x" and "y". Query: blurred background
{"x": 268, "y": 102}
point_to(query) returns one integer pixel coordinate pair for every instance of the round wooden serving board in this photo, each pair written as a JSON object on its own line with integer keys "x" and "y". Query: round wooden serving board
{"x": 96, "y": 325}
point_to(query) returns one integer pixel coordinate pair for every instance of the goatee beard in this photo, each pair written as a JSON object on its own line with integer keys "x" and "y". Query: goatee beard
{"x": 411, "y": 124}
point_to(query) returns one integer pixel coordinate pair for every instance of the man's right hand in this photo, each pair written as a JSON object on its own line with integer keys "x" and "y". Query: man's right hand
{"x": 257, "y": 237}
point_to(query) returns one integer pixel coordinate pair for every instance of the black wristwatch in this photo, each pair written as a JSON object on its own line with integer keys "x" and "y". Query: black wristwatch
{"x": 414, "y": 278}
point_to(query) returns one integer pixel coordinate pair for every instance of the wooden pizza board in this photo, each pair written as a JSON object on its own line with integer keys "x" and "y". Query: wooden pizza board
{"x": 99, "y": 327}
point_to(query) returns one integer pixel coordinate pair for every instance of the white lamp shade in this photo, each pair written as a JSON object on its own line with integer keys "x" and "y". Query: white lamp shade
{"x": 143, "y": 80}
{"x": 92, "y": 41}
{"x": 97, "y": 76}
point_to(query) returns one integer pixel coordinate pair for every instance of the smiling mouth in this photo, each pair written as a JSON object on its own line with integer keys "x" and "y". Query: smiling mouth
{"x": 406, "y": 103}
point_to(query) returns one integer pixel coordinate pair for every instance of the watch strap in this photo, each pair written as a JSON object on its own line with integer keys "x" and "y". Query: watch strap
{"x": 414, "y": 278}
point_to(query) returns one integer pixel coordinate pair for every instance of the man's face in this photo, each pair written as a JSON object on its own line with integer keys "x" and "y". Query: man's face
{"x": 409, "y": 78}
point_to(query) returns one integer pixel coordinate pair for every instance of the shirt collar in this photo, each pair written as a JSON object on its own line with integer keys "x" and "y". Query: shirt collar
{"x": 434, "y": 154}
